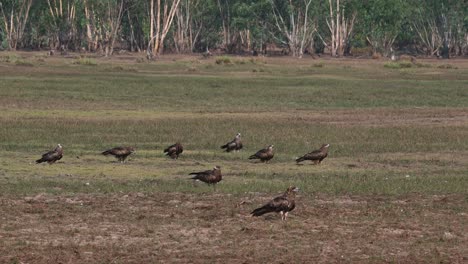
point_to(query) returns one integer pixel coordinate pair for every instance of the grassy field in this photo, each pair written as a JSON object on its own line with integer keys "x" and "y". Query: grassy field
{"x": 394, "y": 188}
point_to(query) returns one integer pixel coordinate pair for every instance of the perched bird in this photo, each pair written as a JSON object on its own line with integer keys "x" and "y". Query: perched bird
{"x": 52, "y": 156}
{"x": 235, "y": 144}
{"x": 281, "y": 204}
{"x": 316, "y": 156}
{"x": 264, "y": 155}
{"x": 121, "y": 153}
{"x": 212, "y": 177}
{"x": 174, "y": 151}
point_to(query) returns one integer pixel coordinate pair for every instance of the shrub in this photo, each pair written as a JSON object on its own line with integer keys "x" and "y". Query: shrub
{"x": 223, "y": 60}
{"x": 447, "y": 66}
{"x": 398, "y": 65}
{"x": 85, "y": 61}
{"x": 21, "y": 62}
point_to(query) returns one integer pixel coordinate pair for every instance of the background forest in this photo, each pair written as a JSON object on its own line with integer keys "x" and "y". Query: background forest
{"x": 292, "y": 27}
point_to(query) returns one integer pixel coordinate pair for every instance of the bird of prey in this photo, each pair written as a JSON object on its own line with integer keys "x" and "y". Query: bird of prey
{"x": 211, "y": 177}
{"x": 174, "y": 151}
{"x": 52, "y": 156}
{"x": 121, "y": 153}
{"x": 264, "y": 155}
{"x": 316, "y": 156}
{"x": 282, "y": 204}
{"x": 235, "y": 144}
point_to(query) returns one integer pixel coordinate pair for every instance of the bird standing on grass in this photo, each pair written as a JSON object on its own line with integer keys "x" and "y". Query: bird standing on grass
{"x": 174, "y": 151}
{"x": 211, "y": 177}
{"x": 316, "y": 156}
{"x": 282, "y": 204}
{"x": 264, "y": 155}
{"x": 121, "y": 153}
{"x": 52, "y": 156}
{"x": 235, "y": 144}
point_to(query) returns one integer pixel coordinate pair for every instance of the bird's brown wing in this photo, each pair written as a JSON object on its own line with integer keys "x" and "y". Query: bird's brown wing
{"x": 263, "y": 153}
{"x": 314, "y": 155}
{"x": 204, "y": 176}
{"x": 170, "y": 149}
{"x": 276, "y": 205}
{"x": 280, "y": 203}
{"x": 230, "y": 145}
{"x": 179, "y": 149}
{"x": 119, "y": 151}
{"x": 51, "y": 156}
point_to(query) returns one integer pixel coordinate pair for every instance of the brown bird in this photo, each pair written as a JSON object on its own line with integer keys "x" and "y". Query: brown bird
{"x": 211, "y": 177}
{"x": 235, "y": 144}
{"x": 121, "y": 153}
{"x": 282, "y": 204}
{"x": 264, "y": 155}
{"x": 316, "y": 156}
{"x": 52, "y": 156}
{"x": 174, "y": 151}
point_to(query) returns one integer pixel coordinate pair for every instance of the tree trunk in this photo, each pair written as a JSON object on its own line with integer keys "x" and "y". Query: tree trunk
{"x": 15, "y": 23}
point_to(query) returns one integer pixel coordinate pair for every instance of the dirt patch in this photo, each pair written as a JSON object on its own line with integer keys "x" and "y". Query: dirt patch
{"x": 175, "y": 227}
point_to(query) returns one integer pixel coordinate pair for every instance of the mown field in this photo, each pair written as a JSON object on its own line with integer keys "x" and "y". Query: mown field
{"x": 394, "y": 188}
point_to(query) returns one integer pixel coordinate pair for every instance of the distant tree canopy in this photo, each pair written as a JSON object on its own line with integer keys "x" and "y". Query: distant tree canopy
{"x": 294, "y": 27}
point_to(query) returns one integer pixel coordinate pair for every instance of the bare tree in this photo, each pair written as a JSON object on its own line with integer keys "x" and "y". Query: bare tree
{"x": 428, "y": 33}
{"x": 340, "y": 28}
{"x": 14, "y": 21}
{"x": 103, "y": 23}
{"x": 183, "y": 27}
{"x": 91, "y": 34}
{"x": 294, "y": 24}
{"x": 165, "y": 12}
{"x": 63, "y": 21}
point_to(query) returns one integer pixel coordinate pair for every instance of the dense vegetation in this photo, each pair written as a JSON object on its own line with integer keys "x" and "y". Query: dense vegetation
{"x": 294, "y": 27}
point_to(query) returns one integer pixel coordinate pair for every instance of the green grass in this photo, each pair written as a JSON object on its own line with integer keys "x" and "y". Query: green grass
{"x": 382, "y": 125}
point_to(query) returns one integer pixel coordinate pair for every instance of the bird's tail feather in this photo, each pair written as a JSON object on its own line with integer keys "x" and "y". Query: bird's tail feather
{"x": 259, "y": 211}
{"x": 253, "y": 157}
{"x": 224, "y": 146}
{"x": 105, "y": 153}
{"x": 40, "y": 160}
{"x": 300, "y": 159}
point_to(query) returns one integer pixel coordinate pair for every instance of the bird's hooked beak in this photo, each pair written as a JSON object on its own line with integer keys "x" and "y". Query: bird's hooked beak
{"x": 271, "y": 146}
{"x": 296, "y": 189}
{"x": 327, "y": 145}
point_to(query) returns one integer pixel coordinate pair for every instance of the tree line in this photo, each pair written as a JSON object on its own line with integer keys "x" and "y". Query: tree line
{"x": 293, "y": 27}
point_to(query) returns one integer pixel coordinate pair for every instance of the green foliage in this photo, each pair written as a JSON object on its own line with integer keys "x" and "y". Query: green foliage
{"x": 237, "y": 25}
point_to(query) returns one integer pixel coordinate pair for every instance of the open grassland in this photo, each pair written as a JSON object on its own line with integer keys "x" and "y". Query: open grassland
{"x": 394, "y": 188}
